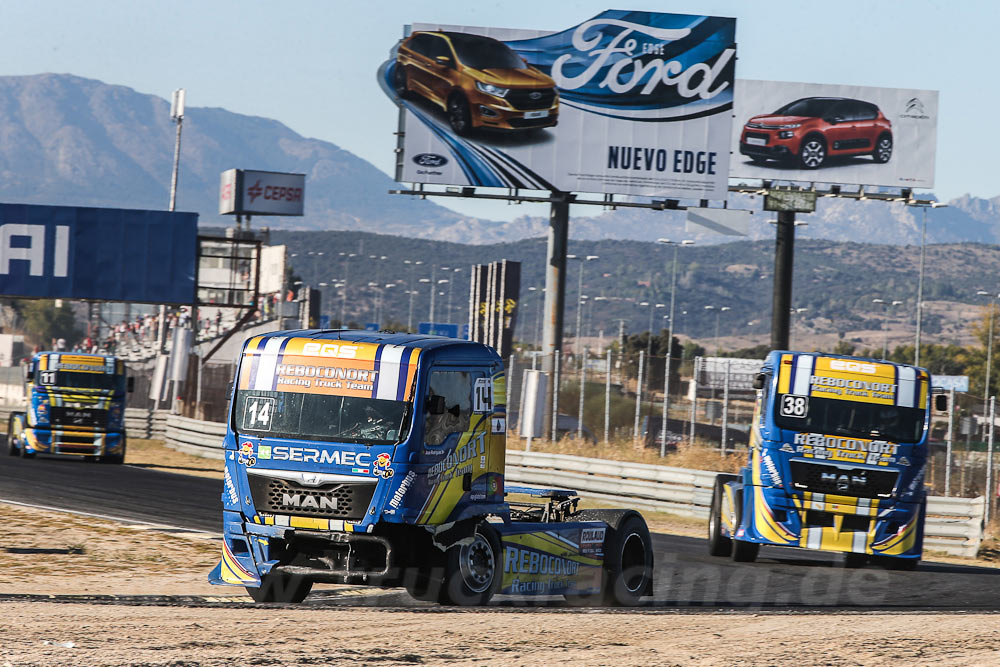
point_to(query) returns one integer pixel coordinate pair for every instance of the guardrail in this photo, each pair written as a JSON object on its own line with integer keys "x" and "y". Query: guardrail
{"x": 954, "y": 525}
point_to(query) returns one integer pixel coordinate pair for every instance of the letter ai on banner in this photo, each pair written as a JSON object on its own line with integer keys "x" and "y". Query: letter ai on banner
{"x": 97, "y": 253}
{"x": 853, "y": 135}
{"x": 627, "y": 102}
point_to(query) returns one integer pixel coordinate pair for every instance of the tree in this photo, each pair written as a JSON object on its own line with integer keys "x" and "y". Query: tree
{"x": 44, "y": 323}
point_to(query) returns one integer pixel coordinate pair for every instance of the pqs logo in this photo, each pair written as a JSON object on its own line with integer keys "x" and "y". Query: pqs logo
{"x": 430, "y": 160}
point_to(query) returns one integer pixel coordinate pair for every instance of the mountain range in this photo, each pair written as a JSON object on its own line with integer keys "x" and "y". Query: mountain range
{"x": 75, "y": 141}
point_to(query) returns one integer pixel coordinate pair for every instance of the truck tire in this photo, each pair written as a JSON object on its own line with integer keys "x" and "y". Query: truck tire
{"x": 743, "y": 552}
{"x": 424, "y": 583}
{"x": 116, "y": 459}
{"x": 628, "y": 559}
{"x": 11, "y": 440}
{"x": 473, "y": 569}
{"x": 718, "y": 544}
{"x": 277, "y": 587}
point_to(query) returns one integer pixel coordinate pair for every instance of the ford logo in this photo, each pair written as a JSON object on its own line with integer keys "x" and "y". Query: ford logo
{"x": 430, "y": 160}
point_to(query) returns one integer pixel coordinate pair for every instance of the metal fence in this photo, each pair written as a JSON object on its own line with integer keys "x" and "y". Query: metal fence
{"x": 954, "y": 525}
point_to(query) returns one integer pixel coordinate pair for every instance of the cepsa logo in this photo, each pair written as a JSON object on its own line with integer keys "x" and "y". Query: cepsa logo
{"x": 852, "y": 366}
{"x": 274, "y": 192}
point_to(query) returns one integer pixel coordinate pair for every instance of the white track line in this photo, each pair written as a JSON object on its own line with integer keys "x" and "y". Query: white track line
{"x": 148, "y": 524}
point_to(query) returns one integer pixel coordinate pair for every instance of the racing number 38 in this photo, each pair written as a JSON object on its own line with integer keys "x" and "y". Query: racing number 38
{"x": 794, "y": 406}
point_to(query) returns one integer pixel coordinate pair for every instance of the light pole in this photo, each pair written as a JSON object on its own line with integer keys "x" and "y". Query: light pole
{"x": 718, "y": 312}
{"x": 433, "y": 282}
{"x": 885, "y": 332}
{"x": 538, "y": 314}
{"x": 989, "y": 348}
{"x": 409, "y": 317}
{"x": 579, "y": 290}
{"x": 670, "y": 340}
{"x": 451, "y": 283}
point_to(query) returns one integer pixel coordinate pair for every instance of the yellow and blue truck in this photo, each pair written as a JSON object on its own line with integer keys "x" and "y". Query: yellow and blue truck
{"x": 837, "y": 457}
{"x": 75, "y": 408}
{"x": 378, "y": 458}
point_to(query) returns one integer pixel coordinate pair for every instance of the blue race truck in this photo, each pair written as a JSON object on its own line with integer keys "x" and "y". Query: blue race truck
{"x": 838, "y": 449}
{"x": 378, "y": 458}
{"x": 76, "y": 408}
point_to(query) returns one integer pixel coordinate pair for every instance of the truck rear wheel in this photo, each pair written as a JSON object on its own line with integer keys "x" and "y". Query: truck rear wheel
{"x": 277, "y": 587}
{"x": 472, "y": 569}
{"x": 628, "y": 559}
{"x": 718, "y": 544}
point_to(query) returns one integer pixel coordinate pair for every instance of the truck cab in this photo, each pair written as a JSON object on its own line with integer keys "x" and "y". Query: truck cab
{"x": 836, "y": 462}
{"x": 378, "y": 458}
{"x": 75, "y": 408}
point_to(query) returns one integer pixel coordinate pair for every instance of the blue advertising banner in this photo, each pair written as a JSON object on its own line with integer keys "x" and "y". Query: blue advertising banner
{"x": 438, "y": 329}
{"x": 109, "y": 254}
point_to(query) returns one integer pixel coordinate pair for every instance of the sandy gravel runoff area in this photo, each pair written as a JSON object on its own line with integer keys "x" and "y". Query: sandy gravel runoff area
{"x": 54, "y": 553}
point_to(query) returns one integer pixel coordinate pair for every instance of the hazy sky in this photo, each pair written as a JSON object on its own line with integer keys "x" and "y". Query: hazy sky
{"x": 311, "y": 64}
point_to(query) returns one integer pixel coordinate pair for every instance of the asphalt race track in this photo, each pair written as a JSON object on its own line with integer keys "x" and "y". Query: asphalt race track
{"x": 686, "y": 577}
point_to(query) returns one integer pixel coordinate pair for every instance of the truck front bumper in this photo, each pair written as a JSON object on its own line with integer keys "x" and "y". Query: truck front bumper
{"x": 825, "y": 522}
{"x": 66, "y": 442}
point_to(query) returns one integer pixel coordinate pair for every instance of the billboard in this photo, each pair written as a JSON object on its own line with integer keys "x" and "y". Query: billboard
{"x": 855, "y": 135}
{"x": 272, "y": 268}
{"x": 628, "y": 102}
{"x": 246, "y": 192}
{"x": 711, "y": 372}
{"x": 105, "y": 254}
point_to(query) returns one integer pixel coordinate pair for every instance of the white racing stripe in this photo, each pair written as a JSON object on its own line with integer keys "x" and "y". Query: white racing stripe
{"x": 803, "y": 373}
{"x": 268, "y": 362}
{"x": 389, "y": 369}
{"x": 907, "y": 388}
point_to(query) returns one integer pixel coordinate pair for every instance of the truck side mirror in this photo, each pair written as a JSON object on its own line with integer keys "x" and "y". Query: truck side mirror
{"x": 941, "y": 402}
{"x": 758, "y": 381}
{"x": 435, "y": 405}
{"x": 130, "y": 384}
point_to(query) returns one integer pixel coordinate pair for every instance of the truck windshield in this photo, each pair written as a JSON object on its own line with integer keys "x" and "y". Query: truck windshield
{"x": 279, "y": 414}
{"x": 853, "y": 418}
{"x": 76, "y": 380}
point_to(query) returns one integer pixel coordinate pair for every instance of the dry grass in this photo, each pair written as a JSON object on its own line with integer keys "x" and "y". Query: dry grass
{"x": 698, "y": 456}
{"x": 155, "y": 455}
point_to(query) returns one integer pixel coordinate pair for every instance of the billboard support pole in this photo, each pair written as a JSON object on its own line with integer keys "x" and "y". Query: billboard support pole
{"x": 784, "y": 253}
{"x": 555, "y": 293}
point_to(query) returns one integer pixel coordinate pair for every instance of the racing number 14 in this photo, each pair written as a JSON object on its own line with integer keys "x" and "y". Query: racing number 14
{"x": 482, "y": 395}
{"x": 258, "y": 414}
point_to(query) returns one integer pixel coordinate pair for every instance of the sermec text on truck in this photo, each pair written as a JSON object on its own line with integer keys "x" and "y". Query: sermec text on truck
{"x": 378, "y": 458}
{"x": 838, "y": 447}
{"x": 75, "y": 407}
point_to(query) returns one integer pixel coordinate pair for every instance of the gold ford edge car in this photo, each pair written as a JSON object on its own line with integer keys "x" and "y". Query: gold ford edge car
{"x": 478, "y": 81}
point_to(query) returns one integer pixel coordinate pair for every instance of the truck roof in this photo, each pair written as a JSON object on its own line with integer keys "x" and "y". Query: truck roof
{"x": 458, "y": 347}
{"x": 87, "y": 355}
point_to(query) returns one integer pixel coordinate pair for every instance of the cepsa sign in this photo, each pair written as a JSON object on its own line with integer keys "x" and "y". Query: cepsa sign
{"x": 245, "y": 192}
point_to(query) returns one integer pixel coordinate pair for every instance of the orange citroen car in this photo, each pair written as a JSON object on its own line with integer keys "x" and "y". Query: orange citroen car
{"x": 478, "y": 81}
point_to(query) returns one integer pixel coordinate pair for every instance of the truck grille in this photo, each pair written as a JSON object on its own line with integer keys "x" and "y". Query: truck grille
{"x": 93, "y": 417}
{"x": 843, "y": 481}
{"x": 335, "y": 501}
{"x": 528, "y": 99}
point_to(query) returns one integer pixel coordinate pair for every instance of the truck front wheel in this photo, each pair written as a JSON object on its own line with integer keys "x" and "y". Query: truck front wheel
{"x": 718, "y": 544}
{"x": 743, "y": 552}
{"x": 277, "y": 587}
{"x": 11, "y": 440}
{"x": 472, "y": 569}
